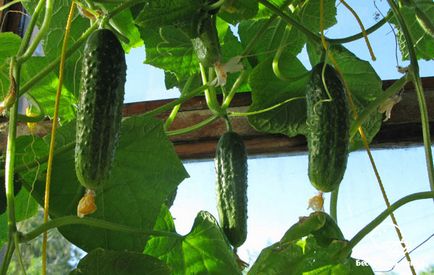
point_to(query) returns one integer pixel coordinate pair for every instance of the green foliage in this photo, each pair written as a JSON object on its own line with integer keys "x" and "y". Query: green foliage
{"x": 302, "y": 250}
{"x": 102, "y": 262}
{"x": 204, "y": 250}
{"x": 146, "y": 169}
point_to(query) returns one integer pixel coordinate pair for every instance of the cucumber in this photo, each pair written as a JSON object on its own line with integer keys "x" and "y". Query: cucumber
{"x": 231, "y": 170}
{"x": 99, "y": 112}
{"x": 328, "y": 129}
{"x": 207, "y": 45}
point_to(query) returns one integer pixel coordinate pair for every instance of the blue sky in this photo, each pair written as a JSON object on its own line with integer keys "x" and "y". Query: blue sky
{"x": 279, "y": 188}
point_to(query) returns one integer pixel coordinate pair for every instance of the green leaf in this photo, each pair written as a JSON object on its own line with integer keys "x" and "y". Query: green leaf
{"x": 423, "y": 41}
{"x": 234, "y": 11}
{"x": 45, "y": 90}
{"x": 183, "y": 14}
{"x": 10, "y": 44}
{"x": 171, "y": 50}
{"x": 146, "y": 170}
{"x": 364, "y": 85}
{"x": 204, "y": 250}
{"x": 106, "y": 262}
{"x": 268, "y": 90}
{"x": 310, "y": 15}
{"x": 302, "y": 250}
{"x": 270, "y": 41}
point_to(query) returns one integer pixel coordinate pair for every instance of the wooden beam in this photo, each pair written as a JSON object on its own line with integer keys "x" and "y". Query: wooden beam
{"x": 403, "y": 129}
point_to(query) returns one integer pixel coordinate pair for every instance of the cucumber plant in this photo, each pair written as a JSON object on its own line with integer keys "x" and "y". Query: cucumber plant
{"x": 131, "y": 165}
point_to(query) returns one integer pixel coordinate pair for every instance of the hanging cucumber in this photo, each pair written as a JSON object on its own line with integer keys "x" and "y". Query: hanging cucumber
{"x": 328, "y": 124}
{"x": 99, "y": 112}
{"x": 231, "y": 169}
{"x": 206, "y": 45}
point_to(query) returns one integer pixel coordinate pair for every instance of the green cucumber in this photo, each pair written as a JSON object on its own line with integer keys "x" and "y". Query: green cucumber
{"x": 328, "y": 128}
{"x": 207, "y": 45}
{"x": 231, "y": 170}
{"x": 99, "y": 112}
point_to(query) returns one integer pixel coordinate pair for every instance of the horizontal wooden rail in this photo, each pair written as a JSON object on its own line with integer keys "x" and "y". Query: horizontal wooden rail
{"x": 402, "y": 130}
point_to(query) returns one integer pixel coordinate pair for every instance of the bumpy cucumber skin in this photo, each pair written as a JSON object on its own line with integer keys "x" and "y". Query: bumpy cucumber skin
{"x": 328, "y": 124}
{"x": 231, "y": 170}
{"x": 99, "y": 110}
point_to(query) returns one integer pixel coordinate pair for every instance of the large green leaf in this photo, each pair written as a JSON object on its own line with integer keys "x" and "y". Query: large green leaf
{"x": 146, "y": 170}
{"x": 204, "y": 250}
{"x": 303, "y": 250}
{"x": 185, "y": 15}
{"x": 106, "y": 262}
{"x": 10, "y": 43}
{"x": 423, "y": 42}
{"x": 170, "y": 49}
{"x": 268, "y": 90}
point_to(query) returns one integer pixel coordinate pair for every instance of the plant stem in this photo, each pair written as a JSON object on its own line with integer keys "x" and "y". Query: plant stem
{"x": 266, "y": 109}
{"x": 414, "y": 73}
{"x": 373, "y": 106}
{"x": 8, "y": 256}
{"x": 359, "y": 35}
{"x": 233, "y": 90}
{"x": 53, "y": 134}
{"x": 425, "y": 128}
{"x": 71, "y": 220}
{"x": 18, "y": 251}
{"x": 334, "y": 204}
{"x": 7, "y": 5}
{"x": 175, "y": 109}
{"x": 380, "y": 218}
{"x": 175, "y": 102}
{"x": 193, "y": 127}
{"x": 210, "y": 95}
{"x": 41, "y": 33}
{"x": 10, "y": 155}
{"x": 28, "y": 34}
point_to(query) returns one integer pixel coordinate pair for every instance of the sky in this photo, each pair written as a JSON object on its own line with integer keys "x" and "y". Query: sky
{"x": 279, "y": 188}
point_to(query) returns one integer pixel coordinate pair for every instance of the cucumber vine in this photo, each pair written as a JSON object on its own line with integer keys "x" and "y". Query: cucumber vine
{"x": 226, "y": 64}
